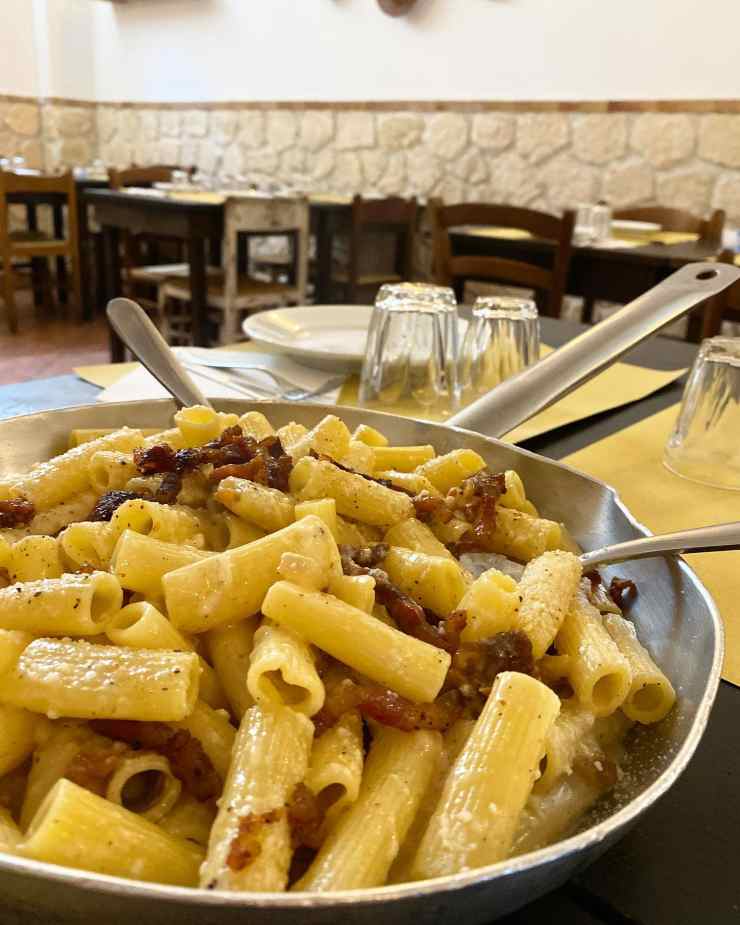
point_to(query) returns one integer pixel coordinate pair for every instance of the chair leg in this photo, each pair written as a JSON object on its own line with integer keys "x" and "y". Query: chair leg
{"x": 9, "y": 294}
{"x": 48, "y": 300}
{"x": 77, "y": 284}
{"x": 587, "y": 315}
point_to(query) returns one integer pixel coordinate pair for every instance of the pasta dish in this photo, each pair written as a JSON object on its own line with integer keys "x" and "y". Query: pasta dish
{"x": 244, "y": 659}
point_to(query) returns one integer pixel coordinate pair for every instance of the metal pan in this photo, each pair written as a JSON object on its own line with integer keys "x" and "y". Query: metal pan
{"x": 674, "y": 614}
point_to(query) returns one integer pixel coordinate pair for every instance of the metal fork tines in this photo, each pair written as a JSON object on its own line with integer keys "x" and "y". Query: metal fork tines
{"x": 283, "y": 388}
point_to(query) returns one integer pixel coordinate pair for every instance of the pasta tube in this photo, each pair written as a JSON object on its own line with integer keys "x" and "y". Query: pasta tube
{"x": 110, "y": 470}
{"x": 436, "y": 582}
{"x": 232, "y": 585}
{"x": 35, "y": 557}
{"x": 568, "y": 737}
{"x": 491, "y": 605}
{"x": 445, "y": 472}
{"x": 158, "y": 521}
{"x": 515, "y": 496}
{"x": 267, "y": 507}
{"x": 144, "y": 783}
{"x": 407, "y": 665}
{"x": 547, "y": 588}
{"x": 651, "y": 695}
{"x": 335, "y": 768}
{"x": 282, "y": 671}
{"x": 357, "y": 590}
{"x": 249, "y": 847}
{"x": 367, "y": 434}
{"x": 17, "y": 736}
{"x": 325, "y": 509}
{"x": 87, "y": 681}
{"x": 402, "y": 458}
{"x": 78, "y": 605}
{"x": 523, "y": 537}
{"x": 67, "y": 830}
{"x": 190, "y": 819}
{"x": 12, "y": 643}
{"x": 330, "y": 437}
{"x": 413, "y": 482}
{"x": 355, "y": 496}
{"x": 140, "y": 562}
{"x": 255, "y": 425}
{"x": 489, "y": 783}
{"x": 229, "y": 648}
{"x": 87, "y": 544}
{"x": 55, "y": 518}
{"x": 597, "y": 671}
{"x": 60, "y": 478}
{"x": 214, "y": 732}
{"x": 198, "y": 424}
{"x": 413, "y": 534}
{"x": 361, "y": 847}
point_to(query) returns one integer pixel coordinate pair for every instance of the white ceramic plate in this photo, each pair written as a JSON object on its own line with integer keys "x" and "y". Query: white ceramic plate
{"x": 628, "y": 227}
{"x": 328, "y": 337}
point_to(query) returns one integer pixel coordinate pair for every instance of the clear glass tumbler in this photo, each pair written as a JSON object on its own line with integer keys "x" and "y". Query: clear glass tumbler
{"x": 502, "y": 339}
{"x": 705, "y": 443}
{"x": 412, "y": 348}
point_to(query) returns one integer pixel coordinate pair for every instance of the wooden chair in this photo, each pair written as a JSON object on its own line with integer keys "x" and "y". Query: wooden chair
{"x": 709, "y": 229}
{"x": 149, "y": 259}
{"x": 30, "y": 246}
{"x": 395, "y": 220}
{"x": 724, "y": 307}
{"x": 456, "y": 269}
{"x": 710, "y": 232}
{"x": 231, "y": 294}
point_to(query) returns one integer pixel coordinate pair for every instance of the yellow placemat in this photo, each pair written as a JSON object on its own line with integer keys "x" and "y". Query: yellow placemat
{"x": 631, "y": 461}
{"x": 658, "y": 237}
{"x": 618, "y": 385}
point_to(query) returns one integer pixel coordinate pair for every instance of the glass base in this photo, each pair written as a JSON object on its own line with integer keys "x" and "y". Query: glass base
{"x": 704, "y": 473}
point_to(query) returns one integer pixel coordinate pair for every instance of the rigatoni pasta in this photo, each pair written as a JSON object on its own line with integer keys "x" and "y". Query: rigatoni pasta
{"x": 226, "y": 648}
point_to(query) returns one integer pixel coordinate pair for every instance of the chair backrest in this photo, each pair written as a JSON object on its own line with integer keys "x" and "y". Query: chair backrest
{"x": 723, "y": 307}
{"x": 62, "y": 185}
{"x": 393, "y": 215}
{"x": 455, "y": 269}
{"x": 709, "y": 229}
{"x": 143, "y": 176}
{"x": 262, "y": 215}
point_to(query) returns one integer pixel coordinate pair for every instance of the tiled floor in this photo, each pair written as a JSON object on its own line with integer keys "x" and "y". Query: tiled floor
{"x": 48, "y": 346}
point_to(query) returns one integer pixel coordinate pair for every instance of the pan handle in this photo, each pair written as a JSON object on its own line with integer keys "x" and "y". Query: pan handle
{"x": 135, "y": 328}
{"x": 541, "y": 385}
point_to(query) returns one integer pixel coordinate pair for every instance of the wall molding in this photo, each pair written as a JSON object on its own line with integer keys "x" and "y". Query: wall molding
{"x": 466, "y": 106}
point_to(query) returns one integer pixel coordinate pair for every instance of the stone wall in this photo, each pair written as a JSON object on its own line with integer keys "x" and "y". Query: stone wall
{"x": 545, "y": 159}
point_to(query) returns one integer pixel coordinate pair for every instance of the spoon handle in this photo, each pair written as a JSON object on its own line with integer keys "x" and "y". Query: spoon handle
{"x": 134, "y": 327}
{"x": 519, "y": 398}
{"x": 701, "y": 539}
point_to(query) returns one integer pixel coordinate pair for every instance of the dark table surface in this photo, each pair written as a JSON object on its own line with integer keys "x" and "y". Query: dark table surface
{"x": 678, "y": 866}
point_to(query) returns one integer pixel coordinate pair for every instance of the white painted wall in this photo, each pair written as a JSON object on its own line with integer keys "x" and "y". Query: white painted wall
{"x": 70, "y": 28}
{"x": 218, "y": 50}
{"x": 18, "y": 64}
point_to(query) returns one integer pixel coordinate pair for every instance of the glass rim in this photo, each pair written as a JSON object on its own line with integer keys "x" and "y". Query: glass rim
{"x": 720, "y": 349}
{"x": 514, "y": 308}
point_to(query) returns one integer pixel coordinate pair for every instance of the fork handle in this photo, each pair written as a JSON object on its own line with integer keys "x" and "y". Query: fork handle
{"x": 701, "y": 539}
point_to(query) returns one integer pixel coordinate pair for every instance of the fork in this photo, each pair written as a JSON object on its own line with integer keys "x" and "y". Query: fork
{"x": 288, "y": 391}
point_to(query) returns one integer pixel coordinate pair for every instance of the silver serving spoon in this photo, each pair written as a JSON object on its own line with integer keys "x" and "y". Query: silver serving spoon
{"x": 700, "y": 539}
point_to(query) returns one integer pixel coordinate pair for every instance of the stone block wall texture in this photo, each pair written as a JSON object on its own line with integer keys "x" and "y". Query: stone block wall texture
{"x": 543, "y": 159}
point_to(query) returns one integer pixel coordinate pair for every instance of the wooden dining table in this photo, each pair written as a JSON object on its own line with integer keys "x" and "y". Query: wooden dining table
{"x": 616, "y": 273}
{"x": 199, "y": 222}
{"x": 677, "y": 866}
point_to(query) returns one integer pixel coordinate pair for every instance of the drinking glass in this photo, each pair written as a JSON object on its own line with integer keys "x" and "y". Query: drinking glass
{"x": 412, "y": 348}
{"x": 601, "y": 222}
{"x": 584, "y": 229}
{"x": 502, "y": 339}
{"x": 705, "y": 446}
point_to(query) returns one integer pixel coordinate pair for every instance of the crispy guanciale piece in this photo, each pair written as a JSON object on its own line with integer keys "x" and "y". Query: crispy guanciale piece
{"x": 305, "y": 818}
{"x": 16, "y": 512}
{"x": 154, "y": 459}
{"x": 247, "y": 843}
{"x": 109, "y": 503}
{"x": 620, "y": 589}
{"x": 476, "y": 499}
{"x": 188, "y": 761}
{"x": 475, "y": 664}
{"x": 92, "y": 767}
{"x": 431, "y": 507}
{"x": 386, "y": 707}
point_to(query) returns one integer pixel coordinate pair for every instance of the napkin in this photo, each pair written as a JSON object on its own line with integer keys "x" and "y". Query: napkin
{"x": 631, "y": 461}
{"x": 137, "y": 383}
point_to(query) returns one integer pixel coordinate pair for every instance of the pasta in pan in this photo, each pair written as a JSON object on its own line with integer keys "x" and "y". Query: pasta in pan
{"x": 247, "y": 660}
